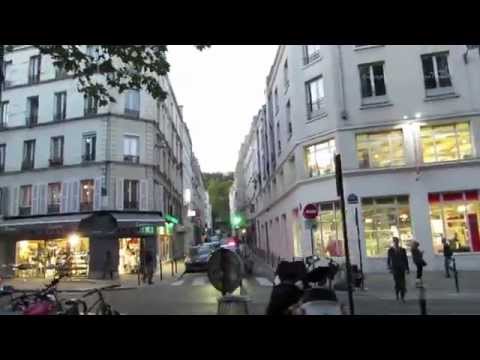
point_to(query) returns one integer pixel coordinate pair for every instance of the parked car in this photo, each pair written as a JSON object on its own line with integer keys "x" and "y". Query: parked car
{"x": 197, "y": 259}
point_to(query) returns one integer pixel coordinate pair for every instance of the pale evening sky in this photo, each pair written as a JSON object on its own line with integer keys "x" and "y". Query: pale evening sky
{"x": 221, "y": 89}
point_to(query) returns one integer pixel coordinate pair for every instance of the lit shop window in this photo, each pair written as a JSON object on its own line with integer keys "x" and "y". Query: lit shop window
{"x": 381, "y": 149}
{"x": 328, "y": 235}
{"x": 455, "y": 216}
{"x": 384, "y": 218}
{"x": 320, "y": 158}
{"x": 446, "y": 142}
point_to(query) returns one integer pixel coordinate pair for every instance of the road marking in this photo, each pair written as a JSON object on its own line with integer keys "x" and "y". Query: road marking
{"x": 200, "y": 281}
{"x": 264, "y": 282}
{"x": 178, "y": 283}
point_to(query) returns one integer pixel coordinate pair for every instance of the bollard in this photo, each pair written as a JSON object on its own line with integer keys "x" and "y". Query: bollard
{"x": 422, "y": 300}
{"x": 161, "y": 274}
{"x": 171, "y": 265}
{"x": 175, "y": 266}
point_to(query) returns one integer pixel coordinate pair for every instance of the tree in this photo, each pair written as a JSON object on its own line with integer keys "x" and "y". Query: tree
{"x": 110, "y": 67}
{"x": 218, "y": 186}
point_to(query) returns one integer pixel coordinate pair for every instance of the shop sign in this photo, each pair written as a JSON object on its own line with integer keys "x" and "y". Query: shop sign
{"x": 171, "y": 219}
{"x": 147, "y": 229}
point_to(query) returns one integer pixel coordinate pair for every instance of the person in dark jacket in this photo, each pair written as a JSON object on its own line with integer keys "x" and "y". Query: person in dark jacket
{"x": 108, "y": 265}
{"x": 398, "y": 265}
{"x": 149, "y": 267}
{"x": 447, "y": 255}
{"x": 285, "y": 294}
{"x": 417, "y": 257}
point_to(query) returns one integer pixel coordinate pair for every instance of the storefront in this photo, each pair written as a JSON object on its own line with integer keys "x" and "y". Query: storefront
{"x": 455, "y": 216}
{"x": 129, "y": 255}
{"x": 328, "y": 233}
{"x": 40, "y": 258}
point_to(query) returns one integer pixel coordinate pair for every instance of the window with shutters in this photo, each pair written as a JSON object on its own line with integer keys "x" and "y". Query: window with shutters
{"x": 3, "y": 114}
{"x": 25, "y": 208}
{"x": 60, "y": 106}
{"x": 32, "y": 111}
{"x": 54, "y": 198}
{"x": 311, "y": 53}
{"x": 7, "y": 65}
{"x": 56, "y": 151}
{"x": 130, "y": 194}
{"x": 34, "y": 69}
{"x": 130, "y": 148}
{"x": 89, "y": 147}
{"x": 28, "y": 155}
{"x": 86, "y": 195}
{"x": 3, "y": 148}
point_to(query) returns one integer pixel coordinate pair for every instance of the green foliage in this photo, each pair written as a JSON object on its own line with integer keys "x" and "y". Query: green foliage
{"x": 119, "y": 67}
{"x": 218, "y": 186}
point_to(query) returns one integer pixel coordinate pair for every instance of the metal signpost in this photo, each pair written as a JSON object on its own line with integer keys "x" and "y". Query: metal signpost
{"x": 339, "y": 178}
{"x": 310, "y": 212}
{"x": 352, "y": 199}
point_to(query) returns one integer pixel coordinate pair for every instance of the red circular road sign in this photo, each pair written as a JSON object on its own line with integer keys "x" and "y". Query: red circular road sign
{"x": 310, "y": 211}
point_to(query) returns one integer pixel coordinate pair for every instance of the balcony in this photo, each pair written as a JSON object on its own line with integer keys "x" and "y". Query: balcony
{"x": 59, "y": 117}
{"x": 7, "y": 84}
{"x": 31, "y": 121}
{"x": 132, "y": 113}
{"x": 90, "y": 111}
{"x": 24, "y": 210}
{"x": 88, "y": 157}
{"x": 311, "y": 58}
{"x": 53, "y": 208}
{"x": 34, "y": 78}
{"x": 86, "y": 206}
{"x": 57, "y": 161}
{"x": 130, "y": 205}
{"x": 27, "y": 164}
{"x": 131, "y": 158}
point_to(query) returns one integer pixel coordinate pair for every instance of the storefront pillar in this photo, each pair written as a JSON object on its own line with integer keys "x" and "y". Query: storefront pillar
{"x": 7, "y": 251}
{"x": 99, "y": 245}
{"x": 420, "y": 214}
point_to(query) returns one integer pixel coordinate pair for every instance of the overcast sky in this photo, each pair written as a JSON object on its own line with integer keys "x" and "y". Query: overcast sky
{"x": 221, "y": 89}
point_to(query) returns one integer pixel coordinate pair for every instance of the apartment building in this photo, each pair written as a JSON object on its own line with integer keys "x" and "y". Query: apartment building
{"x": 62, "y": 158}
{"x": 405, "y": 119}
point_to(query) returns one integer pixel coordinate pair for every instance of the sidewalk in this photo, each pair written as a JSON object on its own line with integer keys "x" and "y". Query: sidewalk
{"x": 125, "y": 281}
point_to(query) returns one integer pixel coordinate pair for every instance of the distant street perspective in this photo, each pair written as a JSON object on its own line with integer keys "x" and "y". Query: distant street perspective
{"x": 321, "y": 180}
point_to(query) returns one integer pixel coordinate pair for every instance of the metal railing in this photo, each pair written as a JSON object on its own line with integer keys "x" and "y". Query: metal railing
{"x": 56, "y": 161}
{"x": 27, "y": 164}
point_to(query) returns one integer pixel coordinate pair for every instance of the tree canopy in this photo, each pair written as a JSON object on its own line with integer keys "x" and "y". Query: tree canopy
{"x": 218, "y": 186}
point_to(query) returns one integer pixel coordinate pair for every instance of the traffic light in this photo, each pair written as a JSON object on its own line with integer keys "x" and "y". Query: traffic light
{"x": 236, "y": 220}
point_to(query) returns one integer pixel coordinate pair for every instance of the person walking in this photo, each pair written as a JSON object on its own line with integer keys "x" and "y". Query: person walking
{"x": 108, "y": 265}
{"x": 398, "y": 265}
{"x": 417, "y": 257}
{"x": 447, "y": 255}
{"x": 148, "y": 269}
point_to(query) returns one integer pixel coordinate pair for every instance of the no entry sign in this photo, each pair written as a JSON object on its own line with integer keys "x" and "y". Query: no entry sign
{"x": 310, "y": 211}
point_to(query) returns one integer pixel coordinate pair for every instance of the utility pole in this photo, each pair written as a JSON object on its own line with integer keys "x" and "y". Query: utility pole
{"x": 339, "y": 178}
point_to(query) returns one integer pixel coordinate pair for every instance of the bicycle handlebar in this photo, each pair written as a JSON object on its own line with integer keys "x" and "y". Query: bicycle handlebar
{"x": 97, "y": 290}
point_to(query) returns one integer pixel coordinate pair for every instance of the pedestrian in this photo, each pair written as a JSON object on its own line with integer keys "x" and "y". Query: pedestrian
{"x": 108, "y": 265}
{"x": 148, "y": 269}
{"x": 417, "y": 257}
{"x": 398, "y": 265}
{"x": 447, "y": 255}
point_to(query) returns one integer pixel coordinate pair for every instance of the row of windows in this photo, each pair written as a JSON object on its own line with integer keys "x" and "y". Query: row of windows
{"x": 132, "y": 107}
{"x": 446, "y": 142}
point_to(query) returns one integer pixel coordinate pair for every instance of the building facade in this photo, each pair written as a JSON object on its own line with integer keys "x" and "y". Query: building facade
{"x": 405, "y": 120}
{"x": 63, "y": 158}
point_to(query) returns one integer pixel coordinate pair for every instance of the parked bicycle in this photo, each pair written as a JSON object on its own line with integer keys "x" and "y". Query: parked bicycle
{"x": 99, "y": 306}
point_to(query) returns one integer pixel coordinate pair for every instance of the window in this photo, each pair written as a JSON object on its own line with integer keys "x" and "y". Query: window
{"x": 315, "y": 96}
{"x": 25, "y": 208}
{"x": 446, "y": 142}
{"x": 3, "y": 114}
{"x": 381, "y": 149}
{"x": 328, "y": 233}
{"x": 90, "y": 105}
{"x": 28, "y": 155}
{"x": 286, "y": 81}
{"x": 455, "y": 216}
{"x": 288, "y": 112}
{"x": 435, "y": 71}
{"x": 130, "y": 148}
{"x": 275, "y": 94}
{"x": 384, "y": 218}
{"x": 34, "y": 69}
{"x": 89, "y": 145}
{"x": 54, "y": 196}
{"x": 60, "y": 106}
{"x": 60, "y": 72}
{"x": 312, "y": 53}
{"x": 130, "y": 194}
{"x": 32, "y": 111}
{"x": 372, "y": 80}
{"x": 279, "y": 140}
{"x": 3, "y": 148}
{"x": 132, "y": 103}
{"x": 320, "y": 158}
{"x": 56, "y": 151}
{"x": 6, "y": 72}
{"x": 86, "y": 195}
